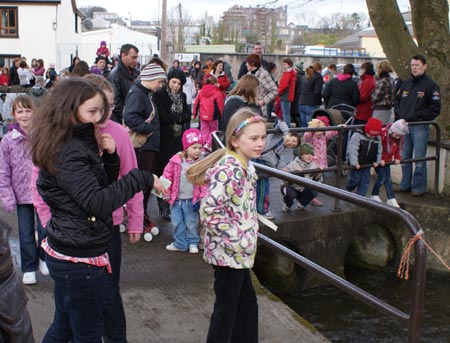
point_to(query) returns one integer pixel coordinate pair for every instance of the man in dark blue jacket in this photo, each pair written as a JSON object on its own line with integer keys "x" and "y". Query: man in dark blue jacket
{"x": 122, "y": 78}
{"x": 419, "y": 99}
{"x": 257, "y": 50}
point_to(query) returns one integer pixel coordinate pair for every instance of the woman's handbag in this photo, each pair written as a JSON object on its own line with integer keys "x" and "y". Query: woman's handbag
{"x": 139, "y": 139}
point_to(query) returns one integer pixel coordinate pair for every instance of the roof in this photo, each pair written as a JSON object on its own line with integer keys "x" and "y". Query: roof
{"x": 45, "y": 2}
{"x": 353, "y": 40}
{"x": 18, "y": 2}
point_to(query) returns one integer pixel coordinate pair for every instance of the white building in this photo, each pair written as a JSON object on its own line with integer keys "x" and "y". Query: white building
{"x": 36, "y": 29}
{"x": 115, "y": 37}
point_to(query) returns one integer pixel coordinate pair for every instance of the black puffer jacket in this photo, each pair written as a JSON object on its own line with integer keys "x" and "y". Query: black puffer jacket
{"x": 311, "y": 90}
{"x": 82, "y": 196}
{"x": 338, "y": 92}
{"x": 122, "y": 80}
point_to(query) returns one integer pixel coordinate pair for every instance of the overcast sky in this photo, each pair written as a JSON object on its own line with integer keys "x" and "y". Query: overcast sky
{"x": 297, "y": 9}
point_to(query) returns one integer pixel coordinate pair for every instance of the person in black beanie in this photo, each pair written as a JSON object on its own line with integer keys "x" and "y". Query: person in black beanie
{"x": 173, "y": 113}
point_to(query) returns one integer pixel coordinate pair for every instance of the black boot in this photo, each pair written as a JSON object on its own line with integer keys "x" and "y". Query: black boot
{"x": 164, "y": 209}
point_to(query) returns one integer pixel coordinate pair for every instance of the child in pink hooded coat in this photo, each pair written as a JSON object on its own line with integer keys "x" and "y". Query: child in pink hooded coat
{"x": 209, "y": 104}
{"x": 319, "y": 140}
{"x": 183, "y": 195}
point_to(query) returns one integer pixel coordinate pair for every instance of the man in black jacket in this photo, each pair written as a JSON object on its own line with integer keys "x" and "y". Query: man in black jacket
{"x": 257, "y": 50}
{"x": 13, "y": 75}
{"x": 418, "y": 99}
{"x": 122, "y": 78}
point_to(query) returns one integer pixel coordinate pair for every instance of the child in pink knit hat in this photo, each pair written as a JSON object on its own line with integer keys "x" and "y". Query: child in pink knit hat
{"x": 183, "y": 195}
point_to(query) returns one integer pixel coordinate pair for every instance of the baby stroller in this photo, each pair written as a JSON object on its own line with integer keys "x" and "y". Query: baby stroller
{"x": 339, "y": 114}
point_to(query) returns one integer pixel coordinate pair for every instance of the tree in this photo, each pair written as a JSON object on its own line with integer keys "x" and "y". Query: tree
{"x": 177, "y": 20}
{"x": 431, "y": 30}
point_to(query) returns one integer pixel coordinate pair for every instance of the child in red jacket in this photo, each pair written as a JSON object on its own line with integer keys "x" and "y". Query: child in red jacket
{"x": 286, "y": 89}
{"x": 209, "y": 104}
{"x": 392, "y": 139}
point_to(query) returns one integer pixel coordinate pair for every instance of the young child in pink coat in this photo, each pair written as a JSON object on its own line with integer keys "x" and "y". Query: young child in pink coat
{"x": 209, "y": 104}
{"x": 319, "y": 140}
{"x": 15, "y": 190}
{"x": 183, "y": 195}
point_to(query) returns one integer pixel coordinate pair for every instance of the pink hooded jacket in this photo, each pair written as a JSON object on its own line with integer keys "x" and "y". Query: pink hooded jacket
{"x": 15, "y": 170}
{"x": 172, "y": 172}
{"x": 125, "y": 150}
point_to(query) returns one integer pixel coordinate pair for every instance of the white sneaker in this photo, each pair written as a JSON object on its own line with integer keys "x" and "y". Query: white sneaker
{"x": 286, "y": 208}
{"x": 298, "y": 206}
{"x": 268, "y": 215}
{"x": 193, "y": 249}
{"x": 29, "y": 278}
{"x": 43, "y": 268}
{"x": 392, "y": 202}
{"x": 172, "y": 247}
{"x": 375, "y": 198}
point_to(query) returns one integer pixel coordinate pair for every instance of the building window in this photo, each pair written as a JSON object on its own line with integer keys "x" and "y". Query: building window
{"x": 8, "y": 22}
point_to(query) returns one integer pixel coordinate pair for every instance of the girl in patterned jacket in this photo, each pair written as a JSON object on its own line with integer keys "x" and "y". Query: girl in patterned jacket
{"x": 15, "y": 188}
{"x": 183, "y": 195}
{"x": 228, "y": 211}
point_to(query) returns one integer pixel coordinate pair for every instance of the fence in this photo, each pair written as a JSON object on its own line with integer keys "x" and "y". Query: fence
{"x": 411, "y": 320}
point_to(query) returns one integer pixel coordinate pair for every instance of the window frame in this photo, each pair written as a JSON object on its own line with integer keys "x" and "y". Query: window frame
{"x": 15, "y": 9}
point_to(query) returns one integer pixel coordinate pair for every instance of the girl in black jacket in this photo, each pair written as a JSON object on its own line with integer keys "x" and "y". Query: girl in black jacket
{"x": 78, "y": 181}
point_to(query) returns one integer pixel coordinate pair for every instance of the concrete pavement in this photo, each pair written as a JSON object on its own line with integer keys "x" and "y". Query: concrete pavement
{"x": 168, "y": 296}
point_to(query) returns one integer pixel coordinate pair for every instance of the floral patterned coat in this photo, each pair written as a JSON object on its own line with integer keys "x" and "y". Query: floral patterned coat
{"x": 228, "y": 212}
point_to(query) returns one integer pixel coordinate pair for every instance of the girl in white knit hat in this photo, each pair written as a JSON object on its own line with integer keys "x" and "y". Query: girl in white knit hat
{"x": 392, "y": 139}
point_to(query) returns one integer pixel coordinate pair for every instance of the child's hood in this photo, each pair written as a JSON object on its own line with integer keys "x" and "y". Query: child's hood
{"x": 209, "y": 90}
{"x": 16, "y": 131}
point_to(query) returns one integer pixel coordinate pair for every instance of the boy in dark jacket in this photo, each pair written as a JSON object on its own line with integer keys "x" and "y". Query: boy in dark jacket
{"x": 364, "y": 148}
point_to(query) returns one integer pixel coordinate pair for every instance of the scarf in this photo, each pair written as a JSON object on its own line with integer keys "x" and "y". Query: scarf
{"x": 177, "y": 101}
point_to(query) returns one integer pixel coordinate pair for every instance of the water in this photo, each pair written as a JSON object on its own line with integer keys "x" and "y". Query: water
{"x": 341, "y": 318}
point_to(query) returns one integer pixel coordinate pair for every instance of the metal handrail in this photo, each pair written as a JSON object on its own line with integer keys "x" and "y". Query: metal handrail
{"x": 414, "y": 318}
{"x": 340, "y": 166}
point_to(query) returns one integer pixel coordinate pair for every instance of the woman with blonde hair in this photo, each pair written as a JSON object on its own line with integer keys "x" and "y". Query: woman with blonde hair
{"x": 382, "y": 97}
{"x": 310, "y": 93}
{"x": 243, "y": 95}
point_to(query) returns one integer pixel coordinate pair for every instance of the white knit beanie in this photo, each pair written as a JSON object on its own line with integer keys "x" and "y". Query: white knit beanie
{"x": 399, "y": 126}
{"x": 153, "y": 71}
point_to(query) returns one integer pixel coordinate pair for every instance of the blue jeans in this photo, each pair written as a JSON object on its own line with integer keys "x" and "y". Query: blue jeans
{"x": 306, "y": 112}
{"x": 115, "y": 321}
{"x": 286, "y": 110}
{"x": 30, "y": 251}
{"x": 384, "y": 178}
{"x": 79, "y": 302}
{"x": 359, "y": 178}
{"x": 184, "y": 221}
{"x": 415, "y": 143}
{"x": 262, "y": 195}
